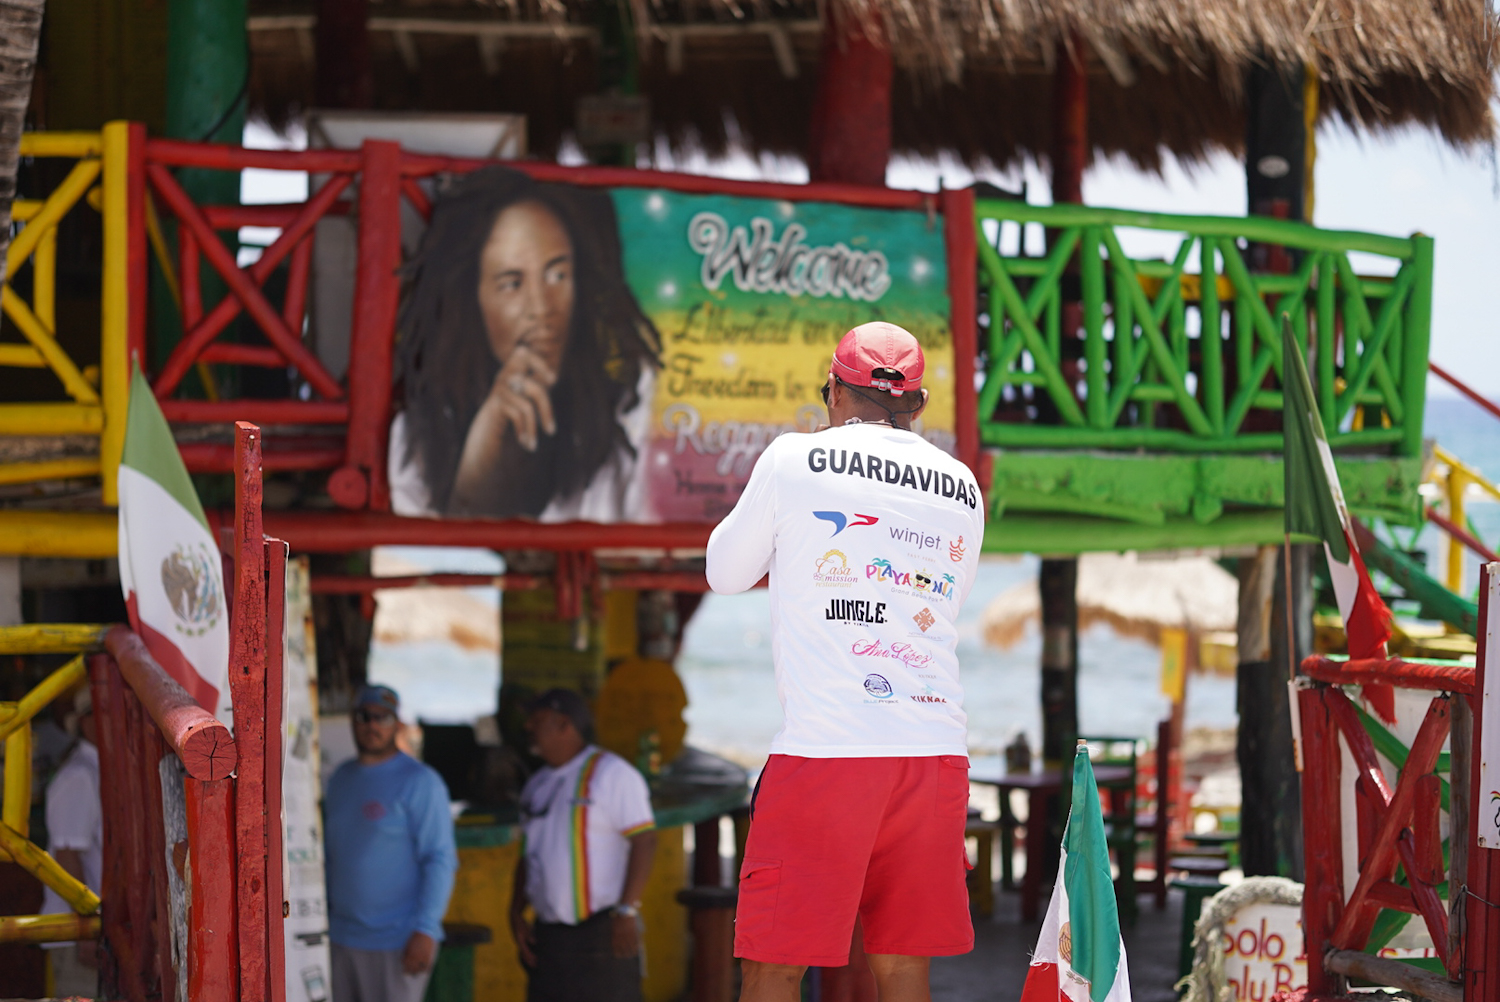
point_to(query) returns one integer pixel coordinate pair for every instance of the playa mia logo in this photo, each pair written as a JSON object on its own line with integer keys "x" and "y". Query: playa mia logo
{"x": 760, "y": 261}
{"x": 877, "y": 686}
{"x": 832, "y": 570}
{"x": 921, "y": 582}
{"x": 192, "y": 587}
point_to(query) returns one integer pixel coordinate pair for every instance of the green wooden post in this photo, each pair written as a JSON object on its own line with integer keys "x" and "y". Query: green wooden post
{"x": 1210, "y": 341}
{"x": 1418, "y": 330}
{"x": 1328, "y": 342}
{"x": 1092, "y": 274}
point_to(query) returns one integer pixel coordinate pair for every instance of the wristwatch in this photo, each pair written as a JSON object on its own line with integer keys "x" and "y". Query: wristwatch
{"x": 630, "y": 909}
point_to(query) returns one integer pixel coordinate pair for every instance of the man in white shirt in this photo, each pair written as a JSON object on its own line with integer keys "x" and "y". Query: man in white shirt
{"x": 75, "y": 838}
{"x": 871, "y": 537}
{"x": 590, "y": 838}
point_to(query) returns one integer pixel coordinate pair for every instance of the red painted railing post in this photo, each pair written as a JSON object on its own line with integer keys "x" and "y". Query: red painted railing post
{"x": 1482, "y": 918}
{"x": 1322, "y": 838}
{"x": 213, "y": 946}
{"x": 247, "y": 686}
{"x": 963, "y": 297}
{"x": 276, "y": 554}
{"x": 361, "y": 482}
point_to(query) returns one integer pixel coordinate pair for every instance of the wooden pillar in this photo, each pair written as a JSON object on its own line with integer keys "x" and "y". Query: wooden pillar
{"x": 1270, "y": 800}
{"x": 1277, "y": 143}
{"x": 1070, "y": 123}
{"x": 345, "y": 74}
{"x": 850, "y": 133}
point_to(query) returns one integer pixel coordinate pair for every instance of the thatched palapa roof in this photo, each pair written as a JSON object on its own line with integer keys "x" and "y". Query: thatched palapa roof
{"x": 973, "y": 77}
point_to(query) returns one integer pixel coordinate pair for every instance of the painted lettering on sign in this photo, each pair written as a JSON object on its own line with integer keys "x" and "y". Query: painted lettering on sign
{"x": 1263, "y": 952}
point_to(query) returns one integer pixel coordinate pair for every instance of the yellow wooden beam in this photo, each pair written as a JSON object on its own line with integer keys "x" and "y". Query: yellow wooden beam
{"x": 49, "y": 469}
{"x": 34, "y": 702}
{"x": 115, "y": 293}
{"x": 1442, "y": 455}
{"x": 21, "y": 356}
{"x": 63, "y": 198}
{"x": 51, "y": 419}
{"x": 61, "y": 928}
{"x": 15, "y": 808}
{"x": 61, "y": 144}
{"x": 51, "y": 638}
{"x": 25, "y": 854}
{"x": 44, "y": 342}
{"x": 58, "y": 533}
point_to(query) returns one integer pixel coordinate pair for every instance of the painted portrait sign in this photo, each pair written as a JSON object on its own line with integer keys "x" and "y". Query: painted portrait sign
{"x": 624, "y": 355}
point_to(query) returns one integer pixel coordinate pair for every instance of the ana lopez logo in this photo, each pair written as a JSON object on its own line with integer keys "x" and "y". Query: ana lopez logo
{"x": 877, "y": 686}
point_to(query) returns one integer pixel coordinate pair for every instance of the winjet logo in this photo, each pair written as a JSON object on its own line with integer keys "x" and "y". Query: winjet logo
{"x": 854, "y": 610}
{"x": 841, "y": 521}
{"x": 917, "y": 538}
{"x": 873, "y": 467}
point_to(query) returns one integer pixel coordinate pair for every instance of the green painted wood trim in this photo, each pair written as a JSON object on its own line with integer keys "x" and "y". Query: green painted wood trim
{"x": 1150, "y": 489}
{"x": 1258, "y": 229}
{"x": 1061, "y": 535}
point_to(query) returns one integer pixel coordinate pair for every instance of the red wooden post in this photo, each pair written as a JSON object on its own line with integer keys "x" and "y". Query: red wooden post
{"x": 139, "y": 894}
{"x": 213, "y": 947}
{"x": 136, "y": 252}
{"x": 202, "y": 742}
{"x": 850, "y": 137}
{"x": 1322, "y": 839}
{"x": 362, "y": 481}
{"x": 1070, "y": 116}
{"x": 345, "y": 74}
{"x": 152, "y": 751}
{"x": 276, "y": 910}
{"x": 1482, "y": 918}
{"x": 963, "y": 296}
{"x": 121, "y": 974}
{"x": 247, "y": 686}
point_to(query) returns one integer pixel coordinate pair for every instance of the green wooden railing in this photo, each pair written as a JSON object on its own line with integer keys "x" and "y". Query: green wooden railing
{"x": 1138, "y": 371}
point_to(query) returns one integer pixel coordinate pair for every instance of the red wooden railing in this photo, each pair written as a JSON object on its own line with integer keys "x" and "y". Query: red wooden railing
{"x": 1398, "y": 836}
{"x": 217, "y": 881}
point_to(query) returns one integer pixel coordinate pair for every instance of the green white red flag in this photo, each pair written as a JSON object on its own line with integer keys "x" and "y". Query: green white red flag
{"x": 170, "y": 569}
{"x": 1080, "y": 956}
{"x": 1315, "y": 507}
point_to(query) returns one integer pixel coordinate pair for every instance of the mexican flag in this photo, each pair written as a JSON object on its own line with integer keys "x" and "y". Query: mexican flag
{"x": 170, "y": 569}
{"x": 1315, "y": 507}
{"x": 1080, "y": 955}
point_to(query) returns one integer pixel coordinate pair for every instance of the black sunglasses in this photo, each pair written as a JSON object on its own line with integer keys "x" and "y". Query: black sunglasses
{"x": 374, "y": 716}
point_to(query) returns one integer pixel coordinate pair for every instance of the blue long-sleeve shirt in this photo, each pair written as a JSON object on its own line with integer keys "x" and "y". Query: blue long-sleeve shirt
{"x": 390, "y": 853}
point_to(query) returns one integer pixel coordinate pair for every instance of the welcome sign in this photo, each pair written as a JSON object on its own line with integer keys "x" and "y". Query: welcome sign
{"x": 674, "y": 337}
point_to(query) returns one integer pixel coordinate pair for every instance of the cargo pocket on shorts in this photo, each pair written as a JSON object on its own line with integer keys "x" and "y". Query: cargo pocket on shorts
{"x": 760, "y": 886}
{"x": 951, "y": 796}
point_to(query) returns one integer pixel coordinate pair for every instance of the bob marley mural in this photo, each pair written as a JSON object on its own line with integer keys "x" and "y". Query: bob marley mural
{"x": 624, "y": 354}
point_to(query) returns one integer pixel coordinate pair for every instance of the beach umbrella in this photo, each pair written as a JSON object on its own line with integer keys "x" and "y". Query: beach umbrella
{"x": 1138, "y": 596}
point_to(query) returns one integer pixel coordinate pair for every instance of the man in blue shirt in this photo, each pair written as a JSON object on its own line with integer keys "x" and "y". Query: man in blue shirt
{"x": 390, "y": 861}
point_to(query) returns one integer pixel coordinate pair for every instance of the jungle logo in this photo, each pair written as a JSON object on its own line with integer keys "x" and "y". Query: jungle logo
{"x": 877, "y": 686}
{"x": 854, "y": 610}
{"x": 188, "y": 579}
{"x": 832, "y": 571}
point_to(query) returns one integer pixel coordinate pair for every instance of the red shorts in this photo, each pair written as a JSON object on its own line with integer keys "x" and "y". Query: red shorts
{"x": 832, "y": 838}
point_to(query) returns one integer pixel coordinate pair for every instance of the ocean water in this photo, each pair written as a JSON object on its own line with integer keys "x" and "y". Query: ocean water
{"x": 726, "y": 658}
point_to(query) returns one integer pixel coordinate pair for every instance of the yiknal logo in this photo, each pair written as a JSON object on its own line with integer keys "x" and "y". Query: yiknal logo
{"x": 840, "y": 521}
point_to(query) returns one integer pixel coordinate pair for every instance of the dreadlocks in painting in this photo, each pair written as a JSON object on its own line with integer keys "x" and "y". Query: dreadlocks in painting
{"x": 527, "y": 362}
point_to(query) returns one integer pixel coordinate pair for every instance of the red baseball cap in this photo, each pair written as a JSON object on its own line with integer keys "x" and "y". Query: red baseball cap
{"x": 881, "y": 356}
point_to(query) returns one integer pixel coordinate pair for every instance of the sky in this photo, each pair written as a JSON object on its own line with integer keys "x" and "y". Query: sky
{"x": 1396, "y": 183}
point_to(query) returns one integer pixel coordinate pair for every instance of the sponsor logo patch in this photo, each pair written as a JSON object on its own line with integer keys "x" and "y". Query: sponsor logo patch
{"x": 851, "y": 610}
{"x": 877, "y": 686}
{"x": 832, "y": 571}
{"x": 840, "y": 521}
{"x": 924, "y": 619}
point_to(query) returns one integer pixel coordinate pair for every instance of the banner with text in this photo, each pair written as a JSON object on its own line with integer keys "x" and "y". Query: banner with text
{"x": 626, "y": 354}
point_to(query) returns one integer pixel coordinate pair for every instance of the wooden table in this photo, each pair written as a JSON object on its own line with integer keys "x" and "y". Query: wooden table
{"x": 1042, "y": 787}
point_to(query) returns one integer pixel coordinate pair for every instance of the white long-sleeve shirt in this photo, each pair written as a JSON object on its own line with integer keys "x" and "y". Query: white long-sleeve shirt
{"x": 871, "y": 537}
